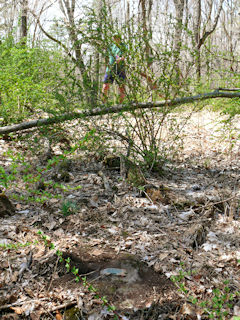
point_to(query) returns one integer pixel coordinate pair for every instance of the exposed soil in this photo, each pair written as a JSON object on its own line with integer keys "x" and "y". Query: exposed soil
{"x": 127, "y": 242}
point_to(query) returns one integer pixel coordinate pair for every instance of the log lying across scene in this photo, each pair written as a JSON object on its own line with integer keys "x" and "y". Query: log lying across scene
{"x": 102, "y": 110}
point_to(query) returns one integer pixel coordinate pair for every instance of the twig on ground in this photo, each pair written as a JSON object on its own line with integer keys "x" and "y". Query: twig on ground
{"x": 54, "y": 271}
{"x": 9, "y": 266}
{"x": 63, "y": 306}
{"x": 19, "y": 303}
{"x": 184, "y": 223}
{"x": 25, "y": 265}
{"x": 218, "y": 202}
{"x": 105, "y": 181}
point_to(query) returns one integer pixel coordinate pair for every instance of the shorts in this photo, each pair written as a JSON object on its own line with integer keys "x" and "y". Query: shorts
{"x": 115, "y": 73}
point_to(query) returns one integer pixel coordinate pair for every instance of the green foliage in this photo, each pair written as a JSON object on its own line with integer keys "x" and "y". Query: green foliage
{"x": 16, "y": 246}
{"x": 31, "y": 177}
{"x": 217, "y": 306}
{"x": 233, "y": 107}
{"x": 147, "y": 79}
{"x": 94, "y": 141}
{"x": 229, "y": 107}
{"x": 28, "y": 80}
{"x": 69, "y": 207}
{"x": 5, "y": 178}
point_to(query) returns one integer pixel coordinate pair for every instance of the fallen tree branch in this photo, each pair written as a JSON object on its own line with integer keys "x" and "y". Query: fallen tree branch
{"x": 63, "y": 306}
{"x": 19, "y": 303}
{"x": 115, "y": 109}
{"x": 228, "y": 89}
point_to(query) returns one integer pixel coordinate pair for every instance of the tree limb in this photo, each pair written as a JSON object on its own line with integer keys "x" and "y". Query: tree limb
{"x": 207, "y": 33}
{"x": 102, "y": 110}
{"x": 228, "y": 89}
{"x": 53, "y": 38}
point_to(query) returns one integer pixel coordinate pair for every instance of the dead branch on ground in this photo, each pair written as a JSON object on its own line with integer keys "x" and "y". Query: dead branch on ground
{"x": 103, "y": 110}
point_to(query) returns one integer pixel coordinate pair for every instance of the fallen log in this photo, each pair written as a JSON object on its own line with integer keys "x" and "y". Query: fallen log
{"x": 228, "y": 89}
{"x": 102, "y": 110}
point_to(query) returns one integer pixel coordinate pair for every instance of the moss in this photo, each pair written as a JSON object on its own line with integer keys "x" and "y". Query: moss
{"x": 72, "y": 314}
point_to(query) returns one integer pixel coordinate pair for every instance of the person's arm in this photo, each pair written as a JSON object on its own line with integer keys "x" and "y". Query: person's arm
{"x": 119, "y": 55}
{"x": 107, "y": 61}
{"x": 118, "y": 59}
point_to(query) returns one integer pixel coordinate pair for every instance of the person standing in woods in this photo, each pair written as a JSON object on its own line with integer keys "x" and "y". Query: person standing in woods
{"x": 115, "y": 70}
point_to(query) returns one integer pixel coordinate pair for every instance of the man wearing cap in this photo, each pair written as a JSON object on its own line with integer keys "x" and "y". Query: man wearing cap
{"x": 115, "y": 70}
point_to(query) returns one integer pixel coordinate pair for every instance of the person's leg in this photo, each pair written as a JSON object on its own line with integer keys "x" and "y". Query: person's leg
{"x": 105, "y": 90}
{"x": 108, "y": 79}
{"x": 121, "y": 93}
{"x": 121, "y": 78}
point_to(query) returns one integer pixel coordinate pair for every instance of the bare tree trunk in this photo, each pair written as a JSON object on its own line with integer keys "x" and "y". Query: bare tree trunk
{"x": 196, "y": 28}
{"x": 146, "y": 8}
{"x": 200, "y": 39}
{"x": 98, "y": 5}
{"x": 24, "y": 16}
{"x": 179, "y": 7}
{"x": 127, "y": 18}
{"x": 229, "y": 28}
{"x": 68, "y": 9}
{"x": 8, "y": 13}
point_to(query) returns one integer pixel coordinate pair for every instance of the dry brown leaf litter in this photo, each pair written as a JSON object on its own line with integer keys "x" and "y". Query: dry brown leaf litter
{"x": 194, "y": 219}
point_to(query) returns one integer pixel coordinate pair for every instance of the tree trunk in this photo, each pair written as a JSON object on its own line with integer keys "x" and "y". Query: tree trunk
{"x": 200, "y": 39}
{"x": 98, "y": 5}
{"x": 24, "y": 31}
{"x": 68, "y": 10}
{"x": 196, "y": 28}
{"x": 179, "y": 7}
{"x": 146, "y": 23}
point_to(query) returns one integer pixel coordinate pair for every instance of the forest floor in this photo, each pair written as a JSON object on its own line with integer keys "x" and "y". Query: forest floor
{"x": 170, "y": 250}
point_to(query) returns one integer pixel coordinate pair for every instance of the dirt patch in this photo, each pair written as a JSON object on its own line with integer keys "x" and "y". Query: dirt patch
{"x": 126, "y": 280}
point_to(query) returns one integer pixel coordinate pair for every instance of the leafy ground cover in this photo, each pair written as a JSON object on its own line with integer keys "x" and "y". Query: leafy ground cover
{"x": 168, "y": 249}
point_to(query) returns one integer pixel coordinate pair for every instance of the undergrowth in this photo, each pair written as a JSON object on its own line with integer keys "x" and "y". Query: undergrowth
{"x": 218, "y": 303}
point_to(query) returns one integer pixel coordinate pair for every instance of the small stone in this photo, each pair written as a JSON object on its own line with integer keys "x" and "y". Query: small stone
{"x": 114, "y": 272}
{"x": 196, "y": 187}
